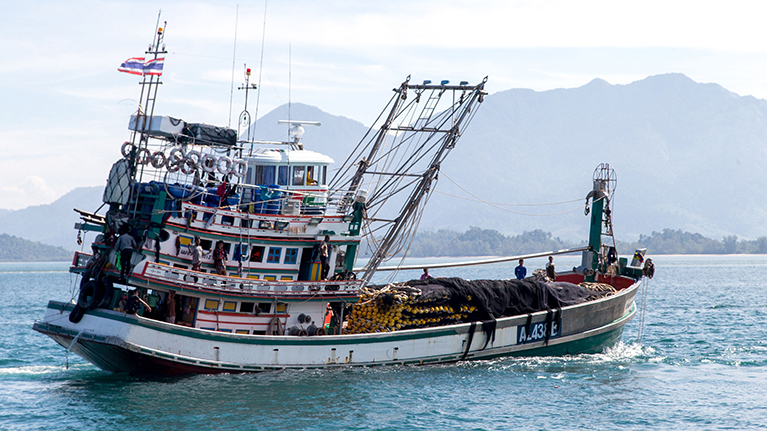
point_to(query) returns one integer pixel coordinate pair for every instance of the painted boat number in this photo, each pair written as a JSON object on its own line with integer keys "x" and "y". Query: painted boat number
{"x": 538, "y": 332}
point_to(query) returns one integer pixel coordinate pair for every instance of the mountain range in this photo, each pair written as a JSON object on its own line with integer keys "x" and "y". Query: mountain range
{"x": 687, "y": 156}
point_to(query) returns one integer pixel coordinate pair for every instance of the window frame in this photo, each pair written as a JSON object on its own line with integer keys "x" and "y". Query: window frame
{"x": 274, "y": 253}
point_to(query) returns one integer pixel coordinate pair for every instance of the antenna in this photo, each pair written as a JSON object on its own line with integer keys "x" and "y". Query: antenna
{"x": 296, "y": 130}
{"x": 234, "y": 52}
{"x": 245, "y": 115}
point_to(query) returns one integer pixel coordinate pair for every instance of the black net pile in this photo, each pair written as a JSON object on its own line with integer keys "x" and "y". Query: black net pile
{"x": 444, "y": 301}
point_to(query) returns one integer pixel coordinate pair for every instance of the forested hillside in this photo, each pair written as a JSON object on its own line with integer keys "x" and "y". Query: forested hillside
{"x": 14, "y": 249}
{"x": 488, "y": 242}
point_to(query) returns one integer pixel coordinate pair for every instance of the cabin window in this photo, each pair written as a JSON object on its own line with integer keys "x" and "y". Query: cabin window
{"x": 240, "y": 252}
{"x": 211, "y": 304}
{"x": 324, "y": 176}
{"x": 311, "y": 176}
{"x": 274, "y": 255}
{"x": 282, "y": 176}
{"x": 227, "y": 220}
{"x": 265, "y": 175}
{"x": 257, "y": 254}
{"x": 265, "y": 307}
{"x": 230, "y": 306}
{"x": 245, "y": 223}
{"x": 241, "y": 331}
{"x": 298, "y": 175}
{"x": 249, "y": 176}
{"x": 247, "y": 307}
{"x": 291, "y": 256}
{"x": 206, "y": 244}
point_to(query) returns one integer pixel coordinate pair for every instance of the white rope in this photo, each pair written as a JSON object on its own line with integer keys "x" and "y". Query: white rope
{"x": 644, "y": 287}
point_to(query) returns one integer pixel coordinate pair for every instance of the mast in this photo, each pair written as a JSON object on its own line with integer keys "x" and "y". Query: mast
{"x": 601, "y": 222}
{"x": 149, "y": 85}
{"x": 245, "y": 120}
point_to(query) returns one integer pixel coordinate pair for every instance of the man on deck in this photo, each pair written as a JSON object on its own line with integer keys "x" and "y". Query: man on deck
{"x": 550, "y": 271}
{"x": 520, "y": 271}
{"x": 324, "y": 253}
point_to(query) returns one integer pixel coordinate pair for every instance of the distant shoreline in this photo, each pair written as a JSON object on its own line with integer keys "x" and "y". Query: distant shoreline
{"x": 35, "y": 261}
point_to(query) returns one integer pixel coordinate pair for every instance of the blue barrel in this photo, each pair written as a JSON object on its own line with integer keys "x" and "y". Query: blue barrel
{"x": 233, "y": 199}
{"x": 257, "y": 201}
{"x": 273, "y": 201}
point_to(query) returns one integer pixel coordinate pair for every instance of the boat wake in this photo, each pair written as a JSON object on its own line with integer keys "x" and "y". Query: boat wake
{"x": 43, "y": 370}
{"x": 622, "y": 354}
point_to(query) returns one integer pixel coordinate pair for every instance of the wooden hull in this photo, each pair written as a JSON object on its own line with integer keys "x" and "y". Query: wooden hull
{"x": 118, "y": 342}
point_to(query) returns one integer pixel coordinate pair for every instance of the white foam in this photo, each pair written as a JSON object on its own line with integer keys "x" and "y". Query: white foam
{"x": 36, "y": 370}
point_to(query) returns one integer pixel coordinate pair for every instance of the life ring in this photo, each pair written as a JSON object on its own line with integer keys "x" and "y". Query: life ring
{"x": 194, "y": 156}
{"x": 188, "y": 166}
{"x": 208, "y": 163}
{"x": 158, "y": 159}
{"x": 91, "y": 295}
{"x": 174, "y": 167}
{"x": 321, "y": 331}
{"x": 228, "y": 165}
{"x": 143, "y": 156}
{"x": 175, "y": 157}
{"x": 126, "y": 149}
{"x": 239, "y": 167}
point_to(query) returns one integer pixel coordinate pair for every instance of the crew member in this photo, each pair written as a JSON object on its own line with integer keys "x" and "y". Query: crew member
{"x": 520, "y": 272}
{"x": 125, "y": 245}
{"x": 550, "y": 272}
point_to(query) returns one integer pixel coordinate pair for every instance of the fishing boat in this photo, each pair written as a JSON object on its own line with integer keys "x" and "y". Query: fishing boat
{"x": 219, "y": 253}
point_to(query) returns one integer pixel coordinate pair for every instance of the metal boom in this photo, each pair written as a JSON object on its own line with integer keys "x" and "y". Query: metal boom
{"x": 403, "y": 158}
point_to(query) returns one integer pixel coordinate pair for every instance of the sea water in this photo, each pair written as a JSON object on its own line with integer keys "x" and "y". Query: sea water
{"x": 694, "y": 357}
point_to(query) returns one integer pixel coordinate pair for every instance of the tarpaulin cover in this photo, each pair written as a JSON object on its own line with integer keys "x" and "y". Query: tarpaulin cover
{"x": 205, "y": 134}
{"x": 499, "y": 298}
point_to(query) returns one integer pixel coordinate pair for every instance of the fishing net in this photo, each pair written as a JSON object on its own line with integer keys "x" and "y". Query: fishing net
{"x": 444, "y": 301}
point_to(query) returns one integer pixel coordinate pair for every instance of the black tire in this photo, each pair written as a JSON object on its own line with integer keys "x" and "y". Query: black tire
{"x": 76, "y": 314}
{"x": 91, "y": 295}
{"x": 106, "y": 300}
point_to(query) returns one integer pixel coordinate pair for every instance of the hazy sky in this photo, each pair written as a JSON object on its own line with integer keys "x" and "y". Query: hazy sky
{"x": 65, "y": 107}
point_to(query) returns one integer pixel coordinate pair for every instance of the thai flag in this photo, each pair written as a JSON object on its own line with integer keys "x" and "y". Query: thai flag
{"x": 134, "y": 66}
{"x": 154, "y": 66}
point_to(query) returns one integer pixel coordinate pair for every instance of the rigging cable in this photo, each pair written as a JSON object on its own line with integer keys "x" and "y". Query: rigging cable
{"x": 498, "y": 205}
{"x": 258, "y": 90}
{"x": 234, "y": 53}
